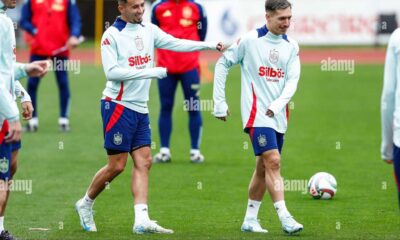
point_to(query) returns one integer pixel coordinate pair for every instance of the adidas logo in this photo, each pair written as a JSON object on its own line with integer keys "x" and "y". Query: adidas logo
{"x": 106, "y": 42}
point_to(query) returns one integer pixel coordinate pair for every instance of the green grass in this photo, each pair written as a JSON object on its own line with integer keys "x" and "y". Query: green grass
{"x": 329, "y": 107}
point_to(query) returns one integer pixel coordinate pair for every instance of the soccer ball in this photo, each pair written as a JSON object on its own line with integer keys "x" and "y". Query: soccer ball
{"x": 322, "y": 186}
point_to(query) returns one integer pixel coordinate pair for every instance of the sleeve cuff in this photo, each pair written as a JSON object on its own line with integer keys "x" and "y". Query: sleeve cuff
{"x": 20, "y": 71}
{"x": 221, "y": 110}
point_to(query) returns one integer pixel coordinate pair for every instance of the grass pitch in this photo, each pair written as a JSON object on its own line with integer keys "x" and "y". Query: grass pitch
{"x": 334, "y": 126}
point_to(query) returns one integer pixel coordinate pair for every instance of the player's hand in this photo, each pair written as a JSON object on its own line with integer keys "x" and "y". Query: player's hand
{"x": 37, "y": 68}
{"x": 225, "y": 117}
{"x": 220, "y": 47}
{"x": 73, "y": 42}
{"x": 27, "y": 110}
{"x": 270, "y": 113}
{"x": 388, "y": 161}
{"x": 14, "y": 132}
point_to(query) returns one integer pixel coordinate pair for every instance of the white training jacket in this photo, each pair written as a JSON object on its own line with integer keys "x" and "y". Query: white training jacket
{"x": 128, "y": 60}
{"x": 270, "y": 71}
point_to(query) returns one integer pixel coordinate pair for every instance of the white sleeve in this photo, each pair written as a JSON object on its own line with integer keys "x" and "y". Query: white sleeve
{"x": 114, "y": 72}
{"x": 21, "y": 93}
{"x": 293, "y": 76}
{"x": 232, "y": 56}
{"x": 166, "y": 41}
{"x": 391, "y": 75}
{"x": 19, "y": 71}
{"x": 8, "y": 107}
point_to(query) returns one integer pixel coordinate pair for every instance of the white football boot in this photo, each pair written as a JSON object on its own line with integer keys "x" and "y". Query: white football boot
{"x": 289, "y": 225}
{"x": 150, "y": 227}
{"x": 86, "y": 217}
{"x": 164, "y": 156}
{"x": 196, "y": 158}
{"x": 252, "y": 225}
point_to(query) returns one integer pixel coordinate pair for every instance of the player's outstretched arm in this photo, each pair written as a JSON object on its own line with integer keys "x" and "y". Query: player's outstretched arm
{"x": 114, "y": 72}
{"x": 290, "y": 86}
{"x": 166, "y": 41}
{"x": 232, "y": 56}
{"x": 33, "y": 69}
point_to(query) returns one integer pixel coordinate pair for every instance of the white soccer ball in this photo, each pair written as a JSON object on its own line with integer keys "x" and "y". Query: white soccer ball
{"x": 322, "y": 186}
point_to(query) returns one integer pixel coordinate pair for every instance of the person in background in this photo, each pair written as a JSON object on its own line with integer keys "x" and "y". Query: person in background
{"x": 186, "y": 20}
{"x": 55, "y": 28}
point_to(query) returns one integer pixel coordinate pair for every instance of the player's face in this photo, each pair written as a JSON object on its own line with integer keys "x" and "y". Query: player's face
{"x": 278, "y": 22}
{"x": 132, "y": 11}
{"x": 10, "y": 3}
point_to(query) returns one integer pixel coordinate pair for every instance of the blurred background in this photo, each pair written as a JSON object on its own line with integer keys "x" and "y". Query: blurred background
{"x": 327, "y": 22}
{"x": 341, "y": 29}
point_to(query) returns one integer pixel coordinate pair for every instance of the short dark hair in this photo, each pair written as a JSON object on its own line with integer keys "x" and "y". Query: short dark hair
{"x": 273, "y": 5}
{"x": 122, "y": 1}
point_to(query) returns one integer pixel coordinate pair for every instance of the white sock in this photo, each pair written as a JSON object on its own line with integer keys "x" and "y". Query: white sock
{"x": 87, "y": 201}
{"x": 165, "y": 150}
{"x": 1, "y": 223}
{"x": 141, "y": 213}
{"x": 63, "y": 121}
{"x": 281, "y": 209}
{"x": 34, "y": 121}
{"x": 194, "y": 151}
{"x": 252, "y": 209}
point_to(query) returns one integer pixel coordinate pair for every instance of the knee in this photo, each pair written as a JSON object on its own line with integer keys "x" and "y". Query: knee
{"x": 117, "y": 168}
{"x": 166, "y": 106}
{"x": 272, "y": 161}
{"x": 144, "y": 164}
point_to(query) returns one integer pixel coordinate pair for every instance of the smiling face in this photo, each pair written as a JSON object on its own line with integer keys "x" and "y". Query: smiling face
{"x": 132, "y": 11}
{"x": 278, "y": 21}
{"x": 10, "y": 3}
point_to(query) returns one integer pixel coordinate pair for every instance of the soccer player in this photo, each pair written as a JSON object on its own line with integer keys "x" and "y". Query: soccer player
{"x": 10, "y": 126}
{"x": 55, "y": 27}
{"x": 128, "y": 62}
{"x": 390, "y": 107}
{"x": 187, "y": 20}
{"x": 270, "y": 71}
